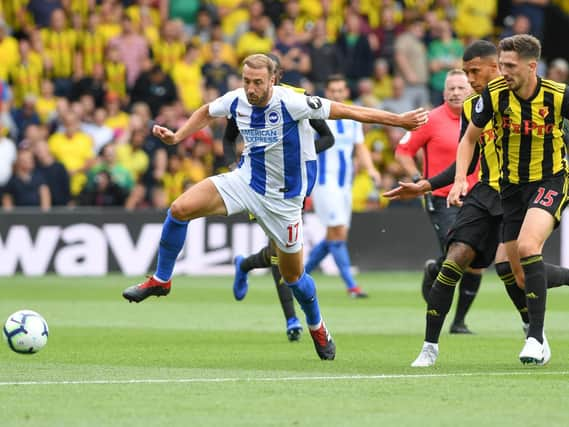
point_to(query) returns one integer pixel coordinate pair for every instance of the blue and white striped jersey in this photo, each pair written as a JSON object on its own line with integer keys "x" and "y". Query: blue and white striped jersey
{"x": 279, "y": 159}
{"x": 335, "y": 166}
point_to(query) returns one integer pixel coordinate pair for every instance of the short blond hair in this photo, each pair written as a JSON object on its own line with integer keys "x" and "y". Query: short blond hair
{"x": 258, "y": 61}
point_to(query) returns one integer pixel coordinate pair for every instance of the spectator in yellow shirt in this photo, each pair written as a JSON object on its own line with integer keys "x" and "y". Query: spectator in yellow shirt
{"x": 115, "y": 73}
{"x": 132, "y": 156}
{"x": 26, "y": 75}
{"x": 59, "y": 43}
{"x": 91, "y": 45}
{"x": 74, "y": 149}
{"x": 187, "y": 75}
{"x": 9, "y": 53}
{"x": 117, "y": 119}
{"x": 256, "y": 40}
{"x": 143, "y": 8}
{"x": 46, "y": 104}
{"x": 170, "y": 48}
{"x": 175, "y": 181}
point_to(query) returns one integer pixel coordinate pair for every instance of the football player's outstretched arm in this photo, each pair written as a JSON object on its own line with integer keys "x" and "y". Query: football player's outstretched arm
{"x": 409, "y": 120}
{"x": 198, "y": 120}
{"x": 410, "y": 190}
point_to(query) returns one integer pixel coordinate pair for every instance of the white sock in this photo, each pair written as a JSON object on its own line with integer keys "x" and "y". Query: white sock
{"x": 158, "y": 280}
{"x": 315, "y": 327}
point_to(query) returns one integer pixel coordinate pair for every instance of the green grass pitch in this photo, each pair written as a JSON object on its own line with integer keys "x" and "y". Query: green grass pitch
{"x": 198, "y": 358}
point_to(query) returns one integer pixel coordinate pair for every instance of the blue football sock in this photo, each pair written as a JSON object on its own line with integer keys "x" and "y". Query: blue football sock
{"x": 316, "y": 255}
{"x": 171, "y": 243}
{"x": 339, "y": 251}
{"x": 304, "y": 290}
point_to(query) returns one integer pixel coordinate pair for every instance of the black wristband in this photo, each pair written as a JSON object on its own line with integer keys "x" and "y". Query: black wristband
{"x": 416, "y": 178}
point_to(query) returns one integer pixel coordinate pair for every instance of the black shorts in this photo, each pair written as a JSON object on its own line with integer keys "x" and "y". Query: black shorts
{"x": 442, "y": 218}
{"x": 549, "y": 194}
{"x": 478, "y": 224}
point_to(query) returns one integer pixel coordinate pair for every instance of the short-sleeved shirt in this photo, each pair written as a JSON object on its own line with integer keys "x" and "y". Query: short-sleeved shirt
{"x": 529, "y": 131}
{"x": 439, "y": 139}
{"x": 490, "y": 155}
{"x": 279, "y": 158}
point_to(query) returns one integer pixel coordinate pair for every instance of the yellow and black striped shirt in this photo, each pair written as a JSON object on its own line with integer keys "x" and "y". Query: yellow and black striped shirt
{"x": 528, "y": 132}
{"x": 115, "y": 76}
{"x": 166, "y": 54}
{"x": 25, "y": 78}
{"x": 60, "y": 47}
{"x": 490, "y": 156}
{"x": 92, "y": 48}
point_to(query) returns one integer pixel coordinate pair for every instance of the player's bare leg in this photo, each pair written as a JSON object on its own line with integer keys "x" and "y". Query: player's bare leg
{"x": 304, "y": 290}
{"x": 200, "y": 200}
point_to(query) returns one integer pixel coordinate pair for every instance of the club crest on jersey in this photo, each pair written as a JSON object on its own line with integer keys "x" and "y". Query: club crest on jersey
{"x": 273, "y": 117}
{"x": 544, "y": 112}
{"x": 479, "y": 105}
{"x": 314, "y": 102}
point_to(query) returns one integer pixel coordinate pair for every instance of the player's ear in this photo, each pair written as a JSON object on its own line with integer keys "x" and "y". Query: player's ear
{"x": 532, "y": 65}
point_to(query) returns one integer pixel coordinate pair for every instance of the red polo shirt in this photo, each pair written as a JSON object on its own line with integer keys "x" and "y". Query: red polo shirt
{"x": 439, "y": 139}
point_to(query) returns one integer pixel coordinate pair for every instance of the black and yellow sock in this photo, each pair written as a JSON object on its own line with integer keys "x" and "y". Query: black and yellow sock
{"x": 536, "y": 294}
{"x": 440, "y": 299}
{"x": 261, "y": 259}
{"x": 556, "y": 276}
{"x": 468, "y": 289}
{"x": 284, "y": 292}
{"x": 517, "y": 295}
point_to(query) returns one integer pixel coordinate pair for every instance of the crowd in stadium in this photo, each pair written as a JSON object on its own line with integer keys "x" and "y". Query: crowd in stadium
{"x": 82, "y": 81}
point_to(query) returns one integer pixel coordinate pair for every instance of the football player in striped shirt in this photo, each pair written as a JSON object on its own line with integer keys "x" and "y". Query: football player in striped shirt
{"x": 528, "y": 114}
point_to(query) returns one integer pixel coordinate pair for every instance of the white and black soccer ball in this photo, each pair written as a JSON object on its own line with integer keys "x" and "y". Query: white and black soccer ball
{"x": 26, "y": 332}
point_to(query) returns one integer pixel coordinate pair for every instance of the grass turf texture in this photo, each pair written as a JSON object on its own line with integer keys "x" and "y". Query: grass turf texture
{"x": 198, "y": 358}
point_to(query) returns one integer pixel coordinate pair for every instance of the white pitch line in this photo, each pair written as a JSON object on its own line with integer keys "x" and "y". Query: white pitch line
{"x": 537, "y": 372}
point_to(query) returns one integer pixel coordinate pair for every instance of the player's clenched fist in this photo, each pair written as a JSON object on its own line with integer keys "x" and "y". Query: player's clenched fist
{"x": 165, "y": 134}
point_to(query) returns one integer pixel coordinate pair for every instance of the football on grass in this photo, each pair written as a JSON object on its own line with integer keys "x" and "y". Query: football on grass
{"x": 26, "y": 332}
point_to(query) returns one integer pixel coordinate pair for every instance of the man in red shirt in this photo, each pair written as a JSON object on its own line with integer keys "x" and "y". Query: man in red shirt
{"x": 439, "y": 139}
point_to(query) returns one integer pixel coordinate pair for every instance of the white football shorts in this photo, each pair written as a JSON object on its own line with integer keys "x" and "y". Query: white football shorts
{"x": 333, "y": 204}
{"x": 281, "y": 219}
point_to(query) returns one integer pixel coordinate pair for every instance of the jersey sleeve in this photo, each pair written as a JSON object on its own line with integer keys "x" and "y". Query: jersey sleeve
{"x": 483, "y": 110}
{"x": 413, "y": 141}
{"x": 463, "y": 122}
{"x": 565, "y": 103}
{"x": 222, "y": 106}
{"x": 307, "y": 107}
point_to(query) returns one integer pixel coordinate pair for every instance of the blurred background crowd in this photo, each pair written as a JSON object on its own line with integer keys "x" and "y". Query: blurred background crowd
{"x": 82, "y": 81}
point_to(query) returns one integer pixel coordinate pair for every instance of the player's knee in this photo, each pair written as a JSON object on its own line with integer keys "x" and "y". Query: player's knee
{"x": 177, "y": 210}
{"x": 460, "y": 253}
{"x": 528, "y": 247}
{"x": 337, "y": 233}
{"x": 290, "y": 277}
